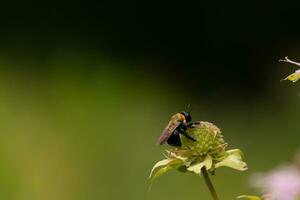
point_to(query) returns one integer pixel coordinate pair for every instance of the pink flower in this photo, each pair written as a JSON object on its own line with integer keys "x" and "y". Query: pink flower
{"x": 282, "y": 183}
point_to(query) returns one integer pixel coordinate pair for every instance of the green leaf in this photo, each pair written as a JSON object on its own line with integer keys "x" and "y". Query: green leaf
{"x": 233, "y": 160}
{"x": 196, "y": 168}
{"x": 249, "y": 197}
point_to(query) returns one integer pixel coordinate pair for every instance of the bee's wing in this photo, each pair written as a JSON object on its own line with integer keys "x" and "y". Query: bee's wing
{"x": 168, "y": 131}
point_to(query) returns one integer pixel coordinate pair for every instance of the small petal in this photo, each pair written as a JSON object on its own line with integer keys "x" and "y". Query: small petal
{"x": 160, "y": 172}
{"x": 160, "y": 164}
{"x": 166, "y": 165}
{"x": 196, "y": 168}
{"x": 249, "y": 197}
{"x": 233, "y": 160}
{"x": 294, "y": 77}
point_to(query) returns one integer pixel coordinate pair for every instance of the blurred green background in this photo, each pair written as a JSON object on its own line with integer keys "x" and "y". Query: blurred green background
{"x": 87, "y": 87}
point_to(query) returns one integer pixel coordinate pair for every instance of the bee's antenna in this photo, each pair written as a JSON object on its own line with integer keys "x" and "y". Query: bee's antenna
{"x": 189, "y": 109}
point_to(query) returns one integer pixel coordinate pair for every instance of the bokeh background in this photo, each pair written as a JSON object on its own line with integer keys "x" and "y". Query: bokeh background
{"x": 86, "y": 87}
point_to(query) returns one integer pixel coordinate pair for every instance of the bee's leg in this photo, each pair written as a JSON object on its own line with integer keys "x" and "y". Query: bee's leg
{"x": 183, "y": 132}
{"x": 191, "y": 125}
{"x": 187, "y": 136}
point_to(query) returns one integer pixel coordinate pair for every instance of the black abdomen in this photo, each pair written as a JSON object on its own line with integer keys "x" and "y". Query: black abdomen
{"x": 174, "y": 139}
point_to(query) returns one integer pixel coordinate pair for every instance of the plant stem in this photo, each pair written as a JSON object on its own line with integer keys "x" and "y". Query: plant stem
{"x": 209, "y": 184}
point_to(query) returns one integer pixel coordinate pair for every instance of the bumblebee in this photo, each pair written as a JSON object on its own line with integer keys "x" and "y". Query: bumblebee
{"x": 178, "y": 124}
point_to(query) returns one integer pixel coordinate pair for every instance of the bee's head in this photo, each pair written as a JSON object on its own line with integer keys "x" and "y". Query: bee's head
{"x": 187, "y": 116}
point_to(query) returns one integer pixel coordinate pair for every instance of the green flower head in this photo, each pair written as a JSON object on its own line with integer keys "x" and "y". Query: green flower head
{"x": 209, "y": 151}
